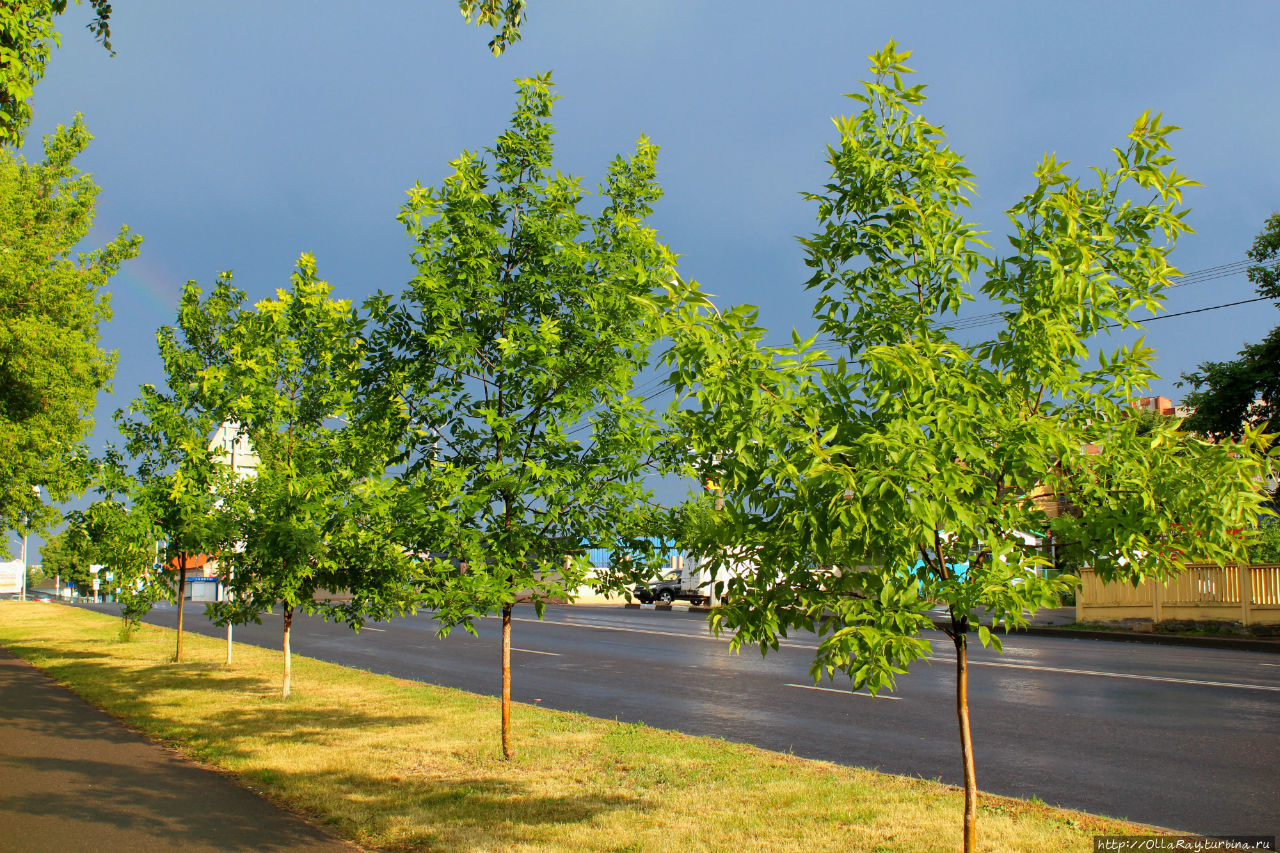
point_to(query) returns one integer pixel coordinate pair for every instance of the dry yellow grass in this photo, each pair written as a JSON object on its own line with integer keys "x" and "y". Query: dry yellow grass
{"x": 399, "y": 765}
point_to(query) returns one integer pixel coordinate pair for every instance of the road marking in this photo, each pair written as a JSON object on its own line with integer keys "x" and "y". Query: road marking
{"x": 533, "y": 652}
{"x": 1270, "y": 664}
{"x": 1164, "y": 678}
{"x": 1007, "y": 664}
{"x": 627, "y": 630}
{"x": 845, "y": 692}
{"x": 379, "y": 630}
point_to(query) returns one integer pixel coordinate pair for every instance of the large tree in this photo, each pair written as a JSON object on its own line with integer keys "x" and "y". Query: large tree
{"x": 1229, "y": 397}
{"x": 894, "y": 469}
{"x": 318, "y": 514}
{"x": 510, "y": 359}
{"x": 52, "y": 301}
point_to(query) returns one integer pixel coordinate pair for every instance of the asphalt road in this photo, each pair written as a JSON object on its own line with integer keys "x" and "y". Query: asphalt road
{"x": 1185, "y": 738}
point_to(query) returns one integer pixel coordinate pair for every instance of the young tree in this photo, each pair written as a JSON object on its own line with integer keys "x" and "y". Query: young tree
{"x": 510, "y": 358}
{"x": 123, "y": 540}
{"x": 898, "y": 471}
{"x": 317, "y": 514}
{"x": 181, "y": 483}
{"x": 119, "y": 535}
{"x": 51, "y": 366}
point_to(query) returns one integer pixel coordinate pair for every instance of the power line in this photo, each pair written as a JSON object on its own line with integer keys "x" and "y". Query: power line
{"x": 1200, "y": 310}
{"x": 1196, "y": 277}
{"x": 979, "y": 320}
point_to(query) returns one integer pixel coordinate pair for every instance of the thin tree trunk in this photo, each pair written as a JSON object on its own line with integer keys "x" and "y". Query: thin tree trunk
{"x": 182, "y": 592}
{"x": 508, "y": 751}
{"x": 960, "y": 638}
{"x": 288, "y": 662}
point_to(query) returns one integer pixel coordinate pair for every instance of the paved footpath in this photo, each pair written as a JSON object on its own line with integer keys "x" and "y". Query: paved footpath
{"x": 74, "y": 779}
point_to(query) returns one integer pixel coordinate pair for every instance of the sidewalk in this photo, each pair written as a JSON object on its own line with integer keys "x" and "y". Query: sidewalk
{"x": 74, "y": 779}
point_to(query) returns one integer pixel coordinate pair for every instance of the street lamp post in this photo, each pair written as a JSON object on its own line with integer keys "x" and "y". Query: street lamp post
{"x": 23, "y": 595}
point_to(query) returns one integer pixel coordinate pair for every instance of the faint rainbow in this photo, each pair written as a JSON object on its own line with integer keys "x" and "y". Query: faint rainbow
{"x": 147, "y": 284}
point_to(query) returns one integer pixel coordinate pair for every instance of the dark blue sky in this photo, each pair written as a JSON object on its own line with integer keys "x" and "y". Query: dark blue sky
{"x": 236, "y": 135}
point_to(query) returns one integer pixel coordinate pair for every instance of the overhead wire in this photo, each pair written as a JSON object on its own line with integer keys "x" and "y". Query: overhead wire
{"x": 657, "y": 387}
{"x": 1196, "y": 277}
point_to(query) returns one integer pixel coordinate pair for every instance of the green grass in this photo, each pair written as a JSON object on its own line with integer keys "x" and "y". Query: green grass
{"x": 398, "y": 765}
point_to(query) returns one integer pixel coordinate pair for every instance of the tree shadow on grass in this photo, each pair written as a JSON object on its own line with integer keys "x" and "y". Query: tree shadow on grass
{"x": 459, "y": 814}
{"x": 99, "y": 781}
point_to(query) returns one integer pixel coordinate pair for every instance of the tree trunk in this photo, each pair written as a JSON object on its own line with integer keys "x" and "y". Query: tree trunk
{"x": 288, "y": 668}
{"x": 508, "y": 751}
{"x": 960, "y": 638}
{"x": 182, "y": 592}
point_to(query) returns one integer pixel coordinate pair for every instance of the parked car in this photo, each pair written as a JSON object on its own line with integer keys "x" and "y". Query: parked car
{"x": 669, "y": 588}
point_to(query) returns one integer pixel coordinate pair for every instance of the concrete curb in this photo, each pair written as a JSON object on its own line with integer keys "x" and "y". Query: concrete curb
{"x": 1244, "y": 644}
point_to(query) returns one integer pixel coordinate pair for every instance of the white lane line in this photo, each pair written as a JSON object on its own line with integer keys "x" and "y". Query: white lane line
{"x": 626, "y": 630}
{"x": 845, "y": 692}
{"x": 1269, "y": 664}
{"x": 379, "y": 630}
{"x": 1164, "y": 678}
{"x": 533, "y": 652}
{"x": 1010, "y": 665}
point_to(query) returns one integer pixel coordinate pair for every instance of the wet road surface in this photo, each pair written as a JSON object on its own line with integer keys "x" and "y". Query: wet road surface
{"x": 1186, "y": 738}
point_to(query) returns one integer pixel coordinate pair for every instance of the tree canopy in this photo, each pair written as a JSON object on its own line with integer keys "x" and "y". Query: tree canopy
{"x": 893, "y": 467}
{"x": 181, "y": 482}
{"x": 318, "y": 513}
{"x": 510, "y": 359}
{"x": 1228, "y": 397}
{"x": 51, "y": 364}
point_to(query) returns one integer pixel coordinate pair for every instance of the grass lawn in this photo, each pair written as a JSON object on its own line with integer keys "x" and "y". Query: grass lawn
{"x": 400, "y": 765}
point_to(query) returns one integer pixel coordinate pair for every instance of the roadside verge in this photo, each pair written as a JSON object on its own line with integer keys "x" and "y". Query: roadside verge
{"x": 390, "y": 763}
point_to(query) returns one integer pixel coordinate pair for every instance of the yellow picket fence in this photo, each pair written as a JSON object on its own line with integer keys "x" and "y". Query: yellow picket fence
{"x": 1249, "y": 595}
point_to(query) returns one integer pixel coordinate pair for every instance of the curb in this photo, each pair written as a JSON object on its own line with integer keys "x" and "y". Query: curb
{"x": 1244, "y": 644}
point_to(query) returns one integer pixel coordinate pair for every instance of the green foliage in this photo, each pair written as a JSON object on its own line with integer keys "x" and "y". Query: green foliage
{"x": 36, "y": 576}
{"x": 27, "y": 37}
{"x": 318, "y": 513}
{"x": 861, "y": 479}
{"x": 180, "y": 483}
{"x": 51, "y": 366}
{"x": 504, "y": 17}
{"x": 1265, "y": 549}
{"x": 1228, "y": 397}
{"x": 509, "y": 360}
{"x": 66, "y": 555}
{"x": 123, "y": 540}
{"x": 895, "y": 467}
